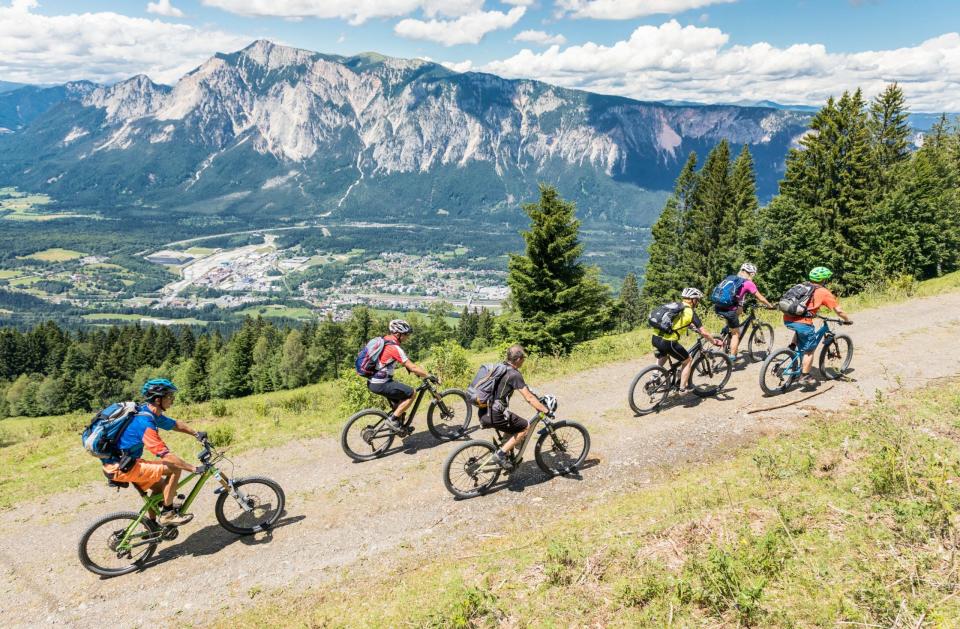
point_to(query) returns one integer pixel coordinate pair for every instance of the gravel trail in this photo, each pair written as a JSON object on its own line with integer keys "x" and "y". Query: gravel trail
{"x": 346, "y": 519}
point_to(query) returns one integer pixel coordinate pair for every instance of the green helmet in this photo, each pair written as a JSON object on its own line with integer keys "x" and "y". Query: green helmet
{"x": 820, "y": 274}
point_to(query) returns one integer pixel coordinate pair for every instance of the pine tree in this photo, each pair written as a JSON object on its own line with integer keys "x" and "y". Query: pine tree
{"x": 667, "y": 273}
{"x": 828, "y": 186}
{"x": 740, "y": 231}
{"x": 889, "y": 131}
{"x": 264, "y": 365}
{"x": 632, "y": 312}
{"x": 561, "y": 301}
{"x": 292, "y": 360}
{"x": 705, "y": 218}
{"x": 197, "y": 385}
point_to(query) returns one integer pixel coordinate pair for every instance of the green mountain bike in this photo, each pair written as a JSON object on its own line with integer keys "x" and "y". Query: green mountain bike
{"x": 120, "y": 543}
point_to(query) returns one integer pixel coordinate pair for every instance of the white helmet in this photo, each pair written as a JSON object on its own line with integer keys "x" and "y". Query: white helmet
{"x": 692, "y": 293}
{"x": 748, "y": 267}
{"x": 399, "y": 326}
{"x": 550, "y": 402}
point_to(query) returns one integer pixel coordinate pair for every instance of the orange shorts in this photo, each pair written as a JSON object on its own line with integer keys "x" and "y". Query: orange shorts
{"x": 143, "y": 474}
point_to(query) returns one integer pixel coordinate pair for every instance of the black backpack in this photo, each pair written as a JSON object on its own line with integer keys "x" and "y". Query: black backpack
{"x": 663, "y": 316}
{"x": 797, "y": 298}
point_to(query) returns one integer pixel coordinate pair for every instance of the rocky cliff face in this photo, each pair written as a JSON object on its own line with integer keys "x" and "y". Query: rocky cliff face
{"x": 287, "y": 131}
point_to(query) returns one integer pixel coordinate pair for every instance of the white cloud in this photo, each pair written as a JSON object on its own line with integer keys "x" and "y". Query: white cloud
{"x": 629, "y": 9}
{"x": 462, "y": 66}
{"x": 519, "y": 3}
{"x": 354, "y": 11}
{"x": 467, "y": 29}
{"x": 671, "y": 61}
{"x": 103, "y": 46}
{"x": 163, "y": 7}
{"x": 540, "y": 37}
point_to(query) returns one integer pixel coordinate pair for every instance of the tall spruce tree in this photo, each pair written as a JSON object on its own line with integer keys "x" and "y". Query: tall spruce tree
{"x": 667, "y": 272}
{"x": 632, "y": 312}
{"x": 561, "y": 302}
{"x": 704, "y": 221}
{"x": 827, "y": 184}
{"x": 889, "y": 131}
{"x": 740, "y": 230}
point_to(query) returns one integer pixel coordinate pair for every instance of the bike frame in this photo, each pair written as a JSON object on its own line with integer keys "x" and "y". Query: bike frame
{"x": 796, "y": 364}
{"x": 674, "y": 370}
{"x": 152, "y": 503}
{"x": 422, "y": 389}
{"x": 745, "y": 325}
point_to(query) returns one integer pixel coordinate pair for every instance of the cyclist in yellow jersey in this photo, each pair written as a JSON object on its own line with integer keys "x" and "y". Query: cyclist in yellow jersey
{"x": 668, "y": 343}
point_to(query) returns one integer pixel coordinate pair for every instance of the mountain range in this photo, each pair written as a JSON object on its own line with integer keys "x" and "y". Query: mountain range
{"x": 277, "y": 131}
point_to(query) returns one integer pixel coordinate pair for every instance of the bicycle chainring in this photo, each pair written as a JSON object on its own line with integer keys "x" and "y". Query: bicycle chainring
{"x": 170, "y": 533}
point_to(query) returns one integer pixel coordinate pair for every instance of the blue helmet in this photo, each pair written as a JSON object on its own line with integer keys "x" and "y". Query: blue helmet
{"x": 157, "y": 387}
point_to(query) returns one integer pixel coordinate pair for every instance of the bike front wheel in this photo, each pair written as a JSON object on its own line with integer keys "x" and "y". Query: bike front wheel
{"x": 835, "y": 356}
{"x": 118, "y": 543}
{"x": 779, "y": 371}
{"x": 256, "y": 507}
{"x": 710, "y": 373}
{"x": 366, "y": 435}
{"x": 449, "y": 417}
{"x": 760, "y": 343}
{"x": 470, "y": 470}
{"x": 649, "y": 389}
{"x": 563, "y": 450}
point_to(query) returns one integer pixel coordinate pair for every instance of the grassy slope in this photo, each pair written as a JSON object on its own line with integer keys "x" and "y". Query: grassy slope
{"x": 852, "y": 520}
{"x": 39, "y": 456}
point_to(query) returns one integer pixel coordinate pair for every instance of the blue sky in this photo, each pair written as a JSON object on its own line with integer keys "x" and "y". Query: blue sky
{"x": 796, "y": 51}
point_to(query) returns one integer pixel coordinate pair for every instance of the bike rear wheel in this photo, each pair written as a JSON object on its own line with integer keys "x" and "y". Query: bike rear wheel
{"x": 366, "y": 435}
{"x": 99, "y": 548}
{"x": 711, "y": 372}
{"x": 449, "y": 419}
{"x": 258, "y": 507}
{"x": 649, "y": 389}
{"x": 835, "y": 356}
{"x": 469, "y": 470}
{"x": 760, "y": 343}
{"x": 564, "y": 450}
{"x": 777, "y": 372}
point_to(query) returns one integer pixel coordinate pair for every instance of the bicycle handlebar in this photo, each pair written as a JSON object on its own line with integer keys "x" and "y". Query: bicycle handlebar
{"x": 833, "y": 320}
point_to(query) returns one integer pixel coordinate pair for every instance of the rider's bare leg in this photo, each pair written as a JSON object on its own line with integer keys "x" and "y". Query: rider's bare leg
{"x": 807, "y": 363}
{"x": 401, "y": 408}
{"x": 514, "y": 440}
{"x": 170, "y": 484}
{"x": 685, "y": 374}
{"x": 734, "y": 340}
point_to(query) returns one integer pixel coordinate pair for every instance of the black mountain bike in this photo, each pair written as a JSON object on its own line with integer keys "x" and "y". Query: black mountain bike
{"x": 760, "y": 338}
{"x": 366, "y": 435}
{"x": 711, "y": 371}
{"x": 561, "y": 449}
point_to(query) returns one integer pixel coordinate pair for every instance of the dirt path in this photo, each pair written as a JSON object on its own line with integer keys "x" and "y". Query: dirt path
{"x": 345, "y": 518}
